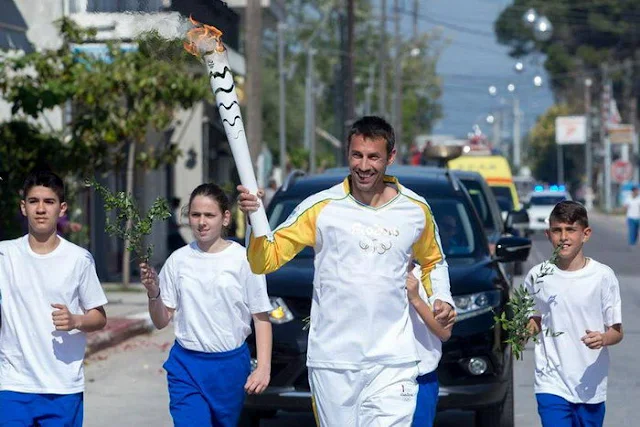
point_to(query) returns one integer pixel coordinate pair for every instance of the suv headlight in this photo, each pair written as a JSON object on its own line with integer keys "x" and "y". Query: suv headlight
{"x": 472, "y": 305}
{"x": 280, "y": 313}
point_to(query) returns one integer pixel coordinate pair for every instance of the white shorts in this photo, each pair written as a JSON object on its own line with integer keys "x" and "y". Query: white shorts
{"x": 378, "y": 396}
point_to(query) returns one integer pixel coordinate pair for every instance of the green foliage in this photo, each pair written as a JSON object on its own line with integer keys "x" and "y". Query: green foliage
{"x": 117, "y": 99}
{"x": 24, "y": 147}
{"x": 585, "y": 34}
{"x": 421, "y": 91}
{"x": 515, "y": 320}
{"x": 130, "y": 225}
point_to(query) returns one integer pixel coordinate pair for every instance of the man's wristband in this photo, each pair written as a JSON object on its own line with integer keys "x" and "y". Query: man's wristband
{"x": 156, "y": 297}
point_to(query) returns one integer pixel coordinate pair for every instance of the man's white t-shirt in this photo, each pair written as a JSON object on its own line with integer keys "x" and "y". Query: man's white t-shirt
{"x": 34, "y": 357}
{"x": 214, "y": 295}
{"x": 633, "y": 207}
{"x": 570, "y": 303}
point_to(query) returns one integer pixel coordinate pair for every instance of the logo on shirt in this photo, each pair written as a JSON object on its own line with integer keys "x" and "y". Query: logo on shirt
{"x": 407, "y": 393}
{"x": 375, "y": 239}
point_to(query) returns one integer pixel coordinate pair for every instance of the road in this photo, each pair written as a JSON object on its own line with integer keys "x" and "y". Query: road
{"x": 126, "y": 385}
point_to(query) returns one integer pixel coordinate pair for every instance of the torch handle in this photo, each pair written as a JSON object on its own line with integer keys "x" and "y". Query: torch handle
{"x": 227, "y": 101}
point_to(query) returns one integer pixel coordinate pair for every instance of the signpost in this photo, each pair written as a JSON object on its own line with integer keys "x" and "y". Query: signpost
{"x": 621, "y": 171}
{"x": 569, "y": 130}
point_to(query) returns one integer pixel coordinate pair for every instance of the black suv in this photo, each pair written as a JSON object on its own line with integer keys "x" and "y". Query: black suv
{"x": 490, "y": 214}
{"x": 476, "y": 370}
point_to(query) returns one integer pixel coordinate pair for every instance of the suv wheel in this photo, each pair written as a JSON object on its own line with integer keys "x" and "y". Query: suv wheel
{"x": 500, "y": 415}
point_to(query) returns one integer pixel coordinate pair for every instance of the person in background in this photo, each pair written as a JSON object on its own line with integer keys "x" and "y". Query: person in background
{"x": 632, "y": 209}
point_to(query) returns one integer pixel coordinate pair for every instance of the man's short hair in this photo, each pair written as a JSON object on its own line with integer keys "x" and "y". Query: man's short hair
{"x": 373, "y": 127}
{"x": 569, "y": 212}
{"x": 44, "y": 178}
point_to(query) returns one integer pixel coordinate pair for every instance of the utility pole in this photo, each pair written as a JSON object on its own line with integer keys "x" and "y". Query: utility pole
{"x": 397, "y": 87}
{"x": 516, "y": 133}
{"x": 382, "y": 61}
{"x": 630, "y": 109}
{"x": 415, "y": 18}
{"x": 497, "y": 129}
{"x": 606, "y": 100}
{"x": 309, "y": 99}
{"x": 283, "y": 99}
{"x": 368, "y": 95}
{"x": 349, "y": 86}
{"x": 253, "y": 31}
{"x": 588, "y": 149}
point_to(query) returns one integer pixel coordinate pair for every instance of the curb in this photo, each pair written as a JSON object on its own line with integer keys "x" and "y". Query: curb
{"x": 117, "y": 330}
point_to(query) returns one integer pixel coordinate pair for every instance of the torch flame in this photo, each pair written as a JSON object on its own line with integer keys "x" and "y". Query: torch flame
{"x": 203, "y": 38}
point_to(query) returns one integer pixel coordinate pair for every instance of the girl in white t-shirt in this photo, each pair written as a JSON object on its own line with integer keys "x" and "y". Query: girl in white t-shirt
{"x": 210, "y": 293}
{"x": 577, "y": 317}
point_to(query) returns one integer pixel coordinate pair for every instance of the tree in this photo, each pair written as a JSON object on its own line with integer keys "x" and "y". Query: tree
{"x": 543, "y": 153}
{"x": 25, "y": 147}
{"x": 319, "y": 18}
{"x": 585, "y": 35}
{"x": 117, "y": 98}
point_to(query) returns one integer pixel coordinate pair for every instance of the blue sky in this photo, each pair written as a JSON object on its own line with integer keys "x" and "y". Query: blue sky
{"x": 473, "y": 61}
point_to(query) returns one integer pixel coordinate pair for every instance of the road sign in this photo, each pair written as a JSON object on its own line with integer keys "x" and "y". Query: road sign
{"x": 571, "y": 130}
{"x": 621, "y": 134}
{"x": 621, "y": 171}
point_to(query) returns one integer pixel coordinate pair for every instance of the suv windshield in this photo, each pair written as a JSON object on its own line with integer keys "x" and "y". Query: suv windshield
{"x": 480, "y": 202}
{"x": 503, "y": 194}
{"x": 546, "y": 200}
{"x": 454, "y": 223}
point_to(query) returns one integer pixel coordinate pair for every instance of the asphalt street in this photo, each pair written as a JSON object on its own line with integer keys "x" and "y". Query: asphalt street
{"x": 126, "y": 385}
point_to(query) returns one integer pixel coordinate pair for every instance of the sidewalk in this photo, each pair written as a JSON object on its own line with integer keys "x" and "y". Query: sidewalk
{"x": 127, "y": 316}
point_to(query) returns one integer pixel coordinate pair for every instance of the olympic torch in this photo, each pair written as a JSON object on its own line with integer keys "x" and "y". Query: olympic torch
{"x": 205, "y": 41}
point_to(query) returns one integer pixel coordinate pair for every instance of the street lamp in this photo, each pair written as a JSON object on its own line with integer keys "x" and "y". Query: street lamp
{"x": 519, "y": 67}
{"x": 530, "y": 17}
{"x": 537, "y": 81}
{"x": 543, "y": 29}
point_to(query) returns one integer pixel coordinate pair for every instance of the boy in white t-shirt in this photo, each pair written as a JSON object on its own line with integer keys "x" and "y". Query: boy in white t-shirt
{"x": 51, "y": 296}
{"x": 578, "y": 315}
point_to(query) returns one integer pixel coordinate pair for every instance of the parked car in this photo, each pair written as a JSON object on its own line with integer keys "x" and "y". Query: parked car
{"x": 541, "y": 203}
{"x": 476, "y": 369}
{"x": 490, "y": 213}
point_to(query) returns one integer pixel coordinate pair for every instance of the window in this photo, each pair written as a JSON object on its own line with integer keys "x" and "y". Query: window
{"x": 504, "y": 198}
{"x": 546, "y": 200}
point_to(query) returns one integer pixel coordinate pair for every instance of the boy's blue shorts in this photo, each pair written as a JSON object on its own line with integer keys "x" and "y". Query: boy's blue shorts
{"x": 557, "y": 412}
{"x": 427, "y": 400}
{"x": 207, "y": 389}
{"x": 44, "y": 410}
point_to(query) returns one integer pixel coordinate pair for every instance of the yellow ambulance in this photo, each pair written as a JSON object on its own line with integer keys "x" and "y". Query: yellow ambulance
{"x": 497, "y": 172}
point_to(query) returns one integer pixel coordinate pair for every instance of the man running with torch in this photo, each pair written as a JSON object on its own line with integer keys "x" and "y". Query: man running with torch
{"x": 205, "y": 41}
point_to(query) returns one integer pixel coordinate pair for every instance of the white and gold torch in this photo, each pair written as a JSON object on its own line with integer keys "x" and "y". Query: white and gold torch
{"x": 205, "y": 41}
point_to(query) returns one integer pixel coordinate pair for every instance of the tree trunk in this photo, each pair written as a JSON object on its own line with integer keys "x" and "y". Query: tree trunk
{"x": 130, "y": 176}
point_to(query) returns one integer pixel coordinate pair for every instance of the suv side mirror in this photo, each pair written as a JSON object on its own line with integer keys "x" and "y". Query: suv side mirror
{"x": 513, "y": 249}
{"x": 517, "y": 219}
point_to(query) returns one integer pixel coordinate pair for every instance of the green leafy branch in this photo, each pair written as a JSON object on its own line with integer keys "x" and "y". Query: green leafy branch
{"x": 129, "y": 224}
{"x": 521, "y": 306}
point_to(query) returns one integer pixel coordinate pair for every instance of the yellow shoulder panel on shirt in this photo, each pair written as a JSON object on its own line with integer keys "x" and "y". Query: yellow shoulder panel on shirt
{"x": 427, "y": 250}
{"x": 268, "y": 253}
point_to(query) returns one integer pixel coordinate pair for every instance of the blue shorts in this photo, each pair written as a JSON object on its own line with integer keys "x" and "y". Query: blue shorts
{"x": 207, "y": 389}
{"x": 557, "y": 412}
{"x": 44, "y": 410}
{"x": 427, "y": 400}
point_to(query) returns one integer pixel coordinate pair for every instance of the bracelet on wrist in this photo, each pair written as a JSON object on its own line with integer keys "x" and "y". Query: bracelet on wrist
{"x": 156, "y": 297}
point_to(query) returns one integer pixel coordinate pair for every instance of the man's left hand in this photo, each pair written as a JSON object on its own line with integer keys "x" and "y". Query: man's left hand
{"x": 445, "y": 314}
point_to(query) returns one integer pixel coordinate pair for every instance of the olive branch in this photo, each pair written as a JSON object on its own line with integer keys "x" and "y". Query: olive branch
{"x": 129, "y": 224}
{"x": 521, "y": 305}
